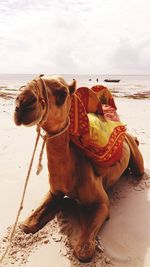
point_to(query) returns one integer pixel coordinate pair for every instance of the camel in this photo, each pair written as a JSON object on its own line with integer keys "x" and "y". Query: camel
{"x": 46, "y": 101}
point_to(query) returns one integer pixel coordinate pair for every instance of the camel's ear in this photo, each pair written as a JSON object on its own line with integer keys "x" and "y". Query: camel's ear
{"x": 41, "y": 75}
{"x": 72, "y": 87}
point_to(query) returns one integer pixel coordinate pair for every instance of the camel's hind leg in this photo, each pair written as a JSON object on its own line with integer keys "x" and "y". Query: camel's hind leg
{"x": 136, "y": 160}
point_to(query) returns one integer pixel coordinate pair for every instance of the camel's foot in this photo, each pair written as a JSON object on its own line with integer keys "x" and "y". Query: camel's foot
{"x": 85, "y": 250}
{"x": 38, "y": 220}
{"x": 42, "y": 215}
{"x": 34, "y": 224}
{"x": 31, "y": 225}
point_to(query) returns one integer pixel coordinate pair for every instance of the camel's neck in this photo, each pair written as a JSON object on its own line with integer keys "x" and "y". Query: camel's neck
{"x": 61, "y": 161}
{"x": 58, "y": 145}
{"x": 58, "y": 153}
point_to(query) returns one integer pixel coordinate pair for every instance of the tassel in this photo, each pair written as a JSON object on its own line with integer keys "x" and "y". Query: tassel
{"x": 40, "y": 166}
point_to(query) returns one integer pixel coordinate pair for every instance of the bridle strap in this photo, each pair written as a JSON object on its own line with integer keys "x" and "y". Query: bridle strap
{"x": 43, "y": 97}
{"x": 63, "y": 130}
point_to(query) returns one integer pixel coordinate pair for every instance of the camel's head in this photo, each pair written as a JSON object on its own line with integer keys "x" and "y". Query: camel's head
{"x": 45, "y": 101}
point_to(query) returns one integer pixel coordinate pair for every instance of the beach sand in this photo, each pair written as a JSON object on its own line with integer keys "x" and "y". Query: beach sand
{"x": 124, "y": 238}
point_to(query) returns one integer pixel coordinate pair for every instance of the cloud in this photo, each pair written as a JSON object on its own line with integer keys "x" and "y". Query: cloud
{"x": 68, "y": 36}
{"x": 131, "y": 58}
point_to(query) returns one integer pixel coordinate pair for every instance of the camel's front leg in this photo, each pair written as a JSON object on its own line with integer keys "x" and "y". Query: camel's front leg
{"x": 43, "y": 214}
{"x": 92, "y": 218}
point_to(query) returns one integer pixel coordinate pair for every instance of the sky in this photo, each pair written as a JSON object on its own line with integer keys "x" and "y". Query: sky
{"x": 75, "y": 36}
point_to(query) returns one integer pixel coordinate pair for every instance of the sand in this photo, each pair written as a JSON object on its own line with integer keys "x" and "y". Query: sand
{"x": 124, "y": 238}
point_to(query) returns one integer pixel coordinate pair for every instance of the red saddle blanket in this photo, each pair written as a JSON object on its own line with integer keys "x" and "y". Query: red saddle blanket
{"x": 95, "y": 126}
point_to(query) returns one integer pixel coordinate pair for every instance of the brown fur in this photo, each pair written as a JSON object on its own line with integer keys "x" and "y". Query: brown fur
{"x": 70, "y": 173}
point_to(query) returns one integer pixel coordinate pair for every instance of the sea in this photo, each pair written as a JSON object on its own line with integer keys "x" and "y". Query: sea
{"x": 134, "y": 86}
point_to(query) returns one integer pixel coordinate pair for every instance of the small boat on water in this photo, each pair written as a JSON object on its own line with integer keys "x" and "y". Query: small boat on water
{"x": 111, "y": 80}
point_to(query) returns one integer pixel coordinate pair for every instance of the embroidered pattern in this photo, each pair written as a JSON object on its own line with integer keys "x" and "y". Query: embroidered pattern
{"x": 100, "y": 133}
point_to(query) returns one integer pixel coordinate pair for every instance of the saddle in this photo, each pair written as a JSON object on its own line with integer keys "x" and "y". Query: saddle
{"x": 95, "y": 127}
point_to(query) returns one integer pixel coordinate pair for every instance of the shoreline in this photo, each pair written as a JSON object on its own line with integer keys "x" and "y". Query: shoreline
{"x": 12, "y": 93}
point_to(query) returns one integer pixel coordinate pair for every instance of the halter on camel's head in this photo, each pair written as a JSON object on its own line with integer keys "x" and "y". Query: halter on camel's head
{"x": 44, "y": 101}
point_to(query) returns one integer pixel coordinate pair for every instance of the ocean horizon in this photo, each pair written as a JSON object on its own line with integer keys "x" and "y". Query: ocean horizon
{"x": 128, "y": 84}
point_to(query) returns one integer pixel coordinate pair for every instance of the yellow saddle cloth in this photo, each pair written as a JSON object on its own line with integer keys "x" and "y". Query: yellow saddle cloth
{"x": 95, "y": 126}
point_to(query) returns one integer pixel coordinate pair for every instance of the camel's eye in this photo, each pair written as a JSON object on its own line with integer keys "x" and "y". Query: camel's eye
{"x": 60, "y": 97}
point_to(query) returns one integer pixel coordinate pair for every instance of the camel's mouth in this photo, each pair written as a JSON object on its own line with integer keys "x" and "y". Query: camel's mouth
{"x": 17, "y": 117}
{"x": 27, "y": 111}
{"x": 28, "y": 117}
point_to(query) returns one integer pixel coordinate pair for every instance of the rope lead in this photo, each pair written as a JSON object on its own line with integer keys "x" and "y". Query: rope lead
{"x": 23, "y": 196}
{"x": 40, "y": 166}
